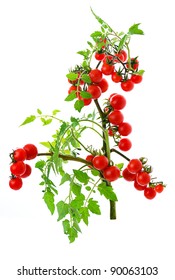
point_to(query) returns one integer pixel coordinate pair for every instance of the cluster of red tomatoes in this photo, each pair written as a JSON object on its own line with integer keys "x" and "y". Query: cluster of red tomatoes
{"x": 101, "y": 163}
{"x": 19, "y": 169}
{"x": 117, "y": 126}
{"x": 109, "y": 67}
{"x": 135, "y": 172}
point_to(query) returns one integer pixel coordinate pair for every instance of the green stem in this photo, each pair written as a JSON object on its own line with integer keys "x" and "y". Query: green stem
{"x": 119, "y": 153}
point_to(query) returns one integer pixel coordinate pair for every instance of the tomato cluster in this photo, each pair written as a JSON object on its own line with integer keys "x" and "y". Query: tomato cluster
{"x": 117, "y": 127}
{"x": 139, "y": 173}
{"x": 100, "y": 162}
{"x": 19, "y": 169}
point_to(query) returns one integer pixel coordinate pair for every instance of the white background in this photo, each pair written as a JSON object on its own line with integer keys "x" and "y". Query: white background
{"x": 39, "y": 41}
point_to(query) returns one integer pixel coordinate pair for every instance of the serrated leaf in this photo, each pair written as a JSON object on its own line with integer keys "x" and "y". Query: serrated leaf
{"x": 76, "y": 188}
{"x": 63, "y": 209}
{"x": 71, "y": 96}
{"x": 66, "y": 226}
{"x": 101, "y": 21}
{"x": 86, "y": 78}
{"x": 90, "y": 44}
{"x": 84, "y": 215}
{"x": 63, "y": 128}
{"x": 66, "y": 177}
{"x": 72, "y": 76}
{"x": 134, "y": 29}
{"x": 93, "y": 206}
{"x": 81, "y": 176}
{"x": 49, "y": 200}
{"x": 107, "y": 191}
{"x": 84, "y": 53}
{"x": 54, "y": 112}
{"x": 30, "y": 119}
{"x": 39, "y": 111}
{"x": 122, "y": 41}
{"x": 79, "y": 104}
{"x": 78, "y": 201}
{"x": 85, "y": 94}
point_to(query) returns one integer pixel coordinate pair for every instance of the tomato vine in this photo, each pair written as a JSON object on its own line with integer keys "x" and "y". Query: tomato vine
{"x": 97, "y": 171}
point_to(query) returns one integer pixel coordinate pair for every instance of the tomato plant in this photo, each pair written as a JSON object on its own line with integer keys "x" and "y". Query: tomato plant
{"x": 97, "y": 172}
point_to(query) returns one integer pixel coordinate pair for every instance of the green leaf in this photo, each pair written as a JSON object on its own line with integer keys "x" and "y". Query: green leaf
{"x": 71, "y": 96}
{"x": 72, "y": 76}
{"x": 122, "y": 42}
{"x": 49, "y": 200}
{"x": 140, "y": 72}
{"x": 29, "y": 120}
{"x": 66, "y": 226}
{"x": 46, "y": 121}
{"x": 95, "y": 172}
{"x": 39, "y": 111}
{"x": 54, "y": 112}
{"x": 84, "y": 215}
{"x": 66, "y": 177}
{"x": 107, "y": 191}
{"x": 101, "y": 21}
{"x": 86, "y": 78}
{"x": 94, "y": 207}
{"x": 72, "y": 234}
{"x": 134, "y": 29}
{"x": 85, "y": 94}
{"x": 88, "y": 188}
{"x": 76, "y": 188}
{"x": 84, "y": 53}
{"x": 78, "y": 201}
{"x": 81, "y": 176}
{"x": 40, "y": 164}
{"x": 90, "y": 44}
{"x": 63, "y": 209}
{"x": 63, "y": 128}
{"x": 120, "y": 165}
{"x": 45, "y": 144}
{"x": 96, "y": 34}
{"x": 74, "y": 121}
{"x": 76, "y": 226}
{"x": 79, "y": 104}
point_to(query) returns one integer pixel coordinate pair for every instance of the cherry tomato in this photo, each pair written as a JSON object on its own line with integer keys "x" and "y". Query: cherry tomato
{"x": 149, "y": 193}
{"x": 143, "y": 178}
{"x": 31, "y": 151}
{"x": 86, "y": 101}
{"x": 95, "y": 91}
{"x": 27, "y": 172}
{"x": 116, "y": 78}
{"x": 118, "y": 102}
{"x": 125, "y": 144}
{"x": 123, "y": 52}
{"x": 110, "y": 132}
{"x": 120, "y": 56}
{"x": 108, "y": 59}
{"x": 95, "y": 75}
{"x": 115, "y": 117}
{"x": 107, "y": 69}
{"x": 18, "y": 168}
{"x": 89, "y": 158}
{"x": 124, "y": 129}
{"x": 159, "y": 188}
{"x": 100, "y": 162}
{"x": 111, "y": 173}
{"x": 128, "y": 176}
{"x": 74, "y": 88}
{"x": 99, "y": 56}
{"x": 19, "y": 155}
{"x": 139, "y": 187}
{"x": 103, "y": 84}
{"x": 134, "y": 166}
{"x": 111, "y": 95}
{"x": 15, "y": 183}
{"x": 127, "y": 85}
{"x": 136, "y": 79}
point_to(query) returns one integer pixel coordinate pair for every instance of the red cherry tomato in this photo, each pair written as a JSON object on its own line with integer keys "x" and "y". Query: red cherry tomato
{"x": 107, "y": 69}
{"x": 116, "y": 78}
{"x": 124, "y": 129}
{"x": 15, "y": 183}
{"x": 159, "y": 188}
{"x": 95, "y": 91}
{"x": 139, "y": 187}
{"x": 134, "y": 64}
{"x": 99, "y": 56}
{"x": 134, "y": 165}
{"x": 95, "y": 75}
{"x": 31, "y": 151}
{"x": 127, "y": 85}
{"x": 103, "y": 85}
{"x": 110, "y": 132}
{"x": 19, "y": 155}
{"x": 125, "y": 144}
{"x": 27, "y": 172}
{"x": 100, "y": 162}
{"x": 149, "y": 193}
{"x": 118, "y": 102}
{"x": 89, "y": 158}
{"x": 115, "y": 117}
{"x": 128, "y": 176}
{"x": 136, "y": 79}
{"x": 143, "y": 178}
{"x": 111, "y": 173}
{"x": 18, "y": 168}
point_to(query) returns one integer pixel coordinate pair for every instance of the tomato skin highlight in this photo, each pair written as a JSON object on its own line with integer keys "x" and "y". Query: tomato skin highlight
{"x": 111, "y": 173}
{"x": 15, "y": 183}
{"x": 27, "y": 172}
{"x": 31, "y": 151}
{"x": 100, "y": 162}
{"x": 19, "y": 155}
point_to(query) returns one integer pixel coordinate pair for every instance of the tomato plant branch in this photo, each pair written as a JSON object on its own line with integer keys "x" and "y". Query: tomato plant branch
{"x": 119, "y": 153}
